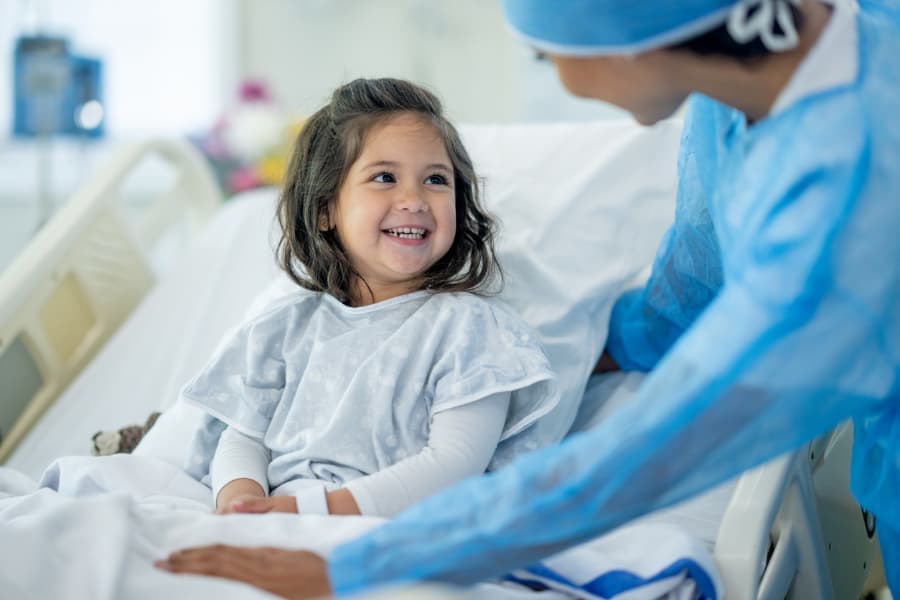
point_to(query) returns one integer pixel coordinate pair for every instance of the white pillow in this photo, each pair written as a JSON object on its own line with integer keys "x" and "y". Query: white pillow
{"x": 581, "y": 208}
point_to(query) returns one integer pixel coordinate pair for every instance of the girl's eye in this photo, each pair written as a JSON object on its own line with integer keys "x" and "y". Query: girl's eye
{"x": 436, "y": 179}
{"x": 384, "y": 177}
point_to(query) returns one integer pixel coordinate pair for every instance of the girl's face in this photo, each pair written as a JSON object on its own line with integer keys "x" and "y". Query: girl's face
{"x": 643, "y": 85}
{"x": 395, "y": 213}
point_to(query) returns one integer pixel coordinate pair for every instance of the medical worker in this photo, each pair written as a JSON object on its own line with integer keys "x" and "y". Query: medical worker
{"x": 772, "y": 313}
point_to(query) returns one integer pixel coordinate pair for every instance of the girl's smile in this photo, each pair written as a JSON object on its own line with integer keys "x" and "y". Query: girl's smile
{"x": 407, "y": 235}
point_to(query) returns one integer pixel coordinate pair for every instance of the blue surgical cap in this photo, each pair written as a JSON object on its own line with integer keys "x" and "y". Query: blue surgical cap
{"x": 596, "y": 27}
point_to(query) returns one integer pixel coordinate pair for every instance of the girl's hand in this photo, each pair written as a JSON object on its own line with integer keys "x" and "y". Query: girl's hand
{"x": 340, "y": 502}
{"x": 236, "y": 492}
{"x": 284, "y": 504}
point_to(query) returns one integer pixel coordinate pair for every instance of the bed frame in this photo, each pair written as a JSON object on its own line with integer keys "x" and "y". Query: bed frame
{"x": 792, "y": 529}
{"x": 82, "y": 274}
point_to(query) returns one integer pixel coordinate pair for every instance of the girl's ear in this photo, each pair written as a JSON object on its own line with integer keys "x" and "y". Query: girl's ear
{"x": 325, "y": 221}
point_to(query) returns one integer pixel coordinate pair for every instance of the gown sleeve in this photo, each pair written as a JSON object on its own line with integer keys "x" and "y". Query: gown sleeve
{"x": 793, "y": 345}
{"x": 687, "y": 270}
{"x": 243, "y": 382}
{"x": 486, "y": 350}
{"x": 240, "y": 387}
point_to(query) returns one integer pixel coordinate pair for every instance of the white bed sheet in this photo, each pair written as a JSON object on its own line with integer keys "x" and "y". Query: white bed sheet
{"x": 99, "y": 545}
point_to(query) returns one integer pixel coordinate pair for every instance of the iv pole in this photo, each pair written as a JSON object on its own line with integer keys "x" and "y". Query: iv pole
{"x": 44, "y": 77}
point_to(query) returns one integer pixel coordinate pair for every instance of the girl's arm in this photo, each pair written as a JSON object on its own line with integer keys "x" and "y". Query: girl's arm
{"x": 239, "y": 470}
{"x": 461, "y": 443}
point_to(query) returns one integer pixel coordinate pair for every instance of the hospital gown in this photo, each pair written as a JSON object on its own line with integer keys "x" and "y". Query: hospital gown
{"x": 803, "y": 334}
{"x": 338, "y": 392}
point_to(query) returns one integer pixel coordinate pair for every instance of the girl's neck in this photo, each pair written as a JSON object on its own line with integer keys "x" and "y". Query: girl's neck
{"x": 753, "y": 88}
{"x": 371, "y": 292}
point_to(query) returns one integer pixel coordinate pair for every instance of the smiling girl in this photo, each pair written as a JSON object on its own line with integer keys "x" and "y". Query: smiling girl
{"x": 389, "y": 375}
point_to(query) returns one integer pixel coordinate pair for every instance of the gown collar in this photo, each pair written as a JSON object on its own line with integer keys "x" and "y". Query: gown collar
{"x": 832, "y": 61}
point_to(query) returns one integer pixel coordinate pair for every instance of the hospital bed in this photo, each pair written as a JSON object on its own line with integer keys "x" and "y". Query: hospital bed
{"x": 102, "y": 319}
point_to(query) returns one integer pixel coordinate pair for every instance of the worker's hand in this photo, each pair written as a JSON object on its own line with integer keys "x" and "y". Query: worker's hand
{"x": 293, "y": 574}
{"x": 285, "y": 504}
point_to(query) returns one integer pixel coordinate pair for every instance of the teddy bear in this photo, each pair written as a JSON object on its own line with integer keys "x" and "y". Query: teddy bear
{"x": 122, "y": 441}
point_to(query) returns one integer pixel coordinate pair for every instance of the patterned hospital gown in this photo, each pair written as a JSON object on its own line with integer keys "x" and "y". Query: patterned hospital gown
{"x": 338, "y": 392}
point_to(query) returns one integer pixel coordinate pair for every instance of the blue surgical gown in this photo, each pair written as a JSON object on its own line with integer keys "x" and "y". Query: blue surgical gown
{"x": 773, "y": 315}
{"x": 687, "y": 272}
{"x": 884, "y": 8}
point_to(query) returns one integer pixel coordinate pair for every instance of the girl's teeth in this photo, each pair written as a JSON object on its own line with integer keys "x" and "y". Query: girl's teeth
{"x": 412, "y": 233}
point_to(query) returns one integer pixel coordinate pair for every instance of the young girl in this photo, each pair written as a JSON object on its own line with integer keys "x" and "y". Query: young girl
{"x": 386, "y": 378}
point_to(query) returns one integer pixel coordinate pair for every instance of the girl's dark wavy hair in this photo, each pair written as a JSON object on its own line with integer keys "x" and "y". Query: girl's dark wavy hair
{"x": 329, "y": 143}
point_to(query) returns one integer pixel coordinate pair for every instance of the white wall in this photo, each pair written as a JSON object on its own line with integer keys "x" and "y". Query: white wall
{"x": 169, "y": 65}
{"x": 460, "y": 49}
{"x": 172, "y": 66}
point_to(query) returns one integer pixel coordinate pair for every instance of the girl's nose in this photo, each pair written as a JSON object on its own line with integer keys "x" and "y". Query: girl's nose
{"x": 411, "y": 199}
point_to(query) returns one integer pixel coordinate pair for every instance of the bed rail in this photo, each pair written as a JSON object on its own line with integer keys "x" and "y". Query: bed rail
{"x": 80, "y": 276}
{"x": 793, "y": 530}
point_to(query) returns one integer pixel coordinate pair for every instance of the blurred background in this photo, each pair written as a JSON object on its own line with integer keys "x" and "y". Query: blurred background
{"x": 236, "y": 77}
